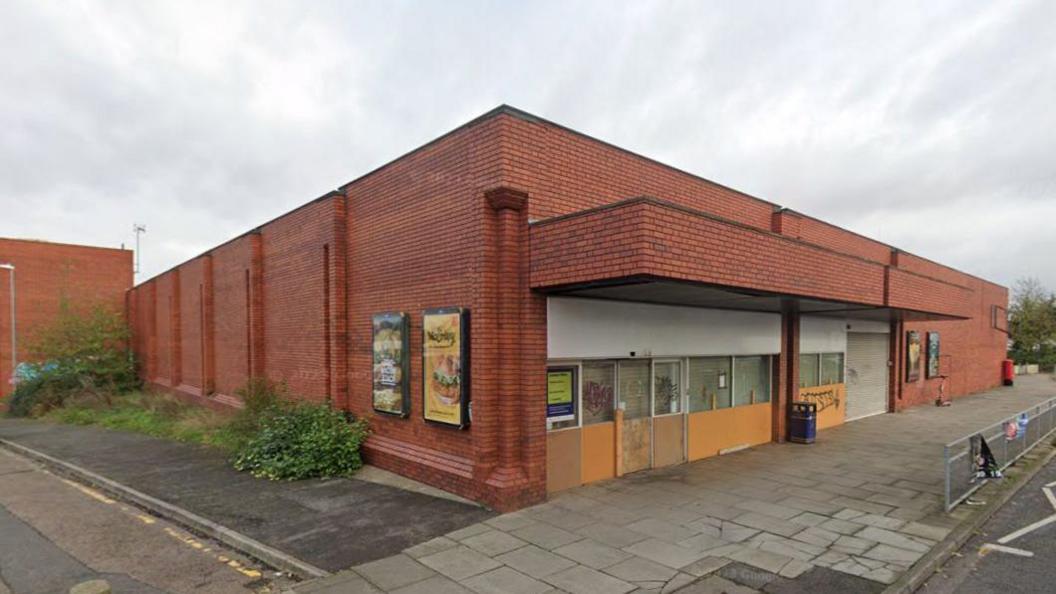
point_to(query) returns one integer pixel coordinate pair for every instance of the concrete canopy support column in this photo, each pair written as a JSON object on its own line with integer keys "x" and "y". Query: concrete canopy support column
{"x": 506, "y": 407}
{"x": 787, "y": 371}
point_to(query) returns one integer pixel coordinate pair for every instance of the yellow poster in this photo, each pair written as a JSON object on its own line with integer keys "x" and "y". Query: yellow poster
{"x": 443, "y": 366}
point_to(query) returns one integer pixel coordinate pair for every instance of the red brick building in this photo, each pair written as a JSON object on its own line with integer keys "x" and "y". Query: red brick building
{"x": 613, "y": 314}
{"x": 45, "y": 274}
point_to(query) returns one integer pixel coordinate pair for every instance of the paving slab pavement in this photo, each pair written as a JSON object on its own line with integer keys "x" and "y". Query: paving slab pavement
{"x": 850, "y": 513}
{"x": 331, "y": 524}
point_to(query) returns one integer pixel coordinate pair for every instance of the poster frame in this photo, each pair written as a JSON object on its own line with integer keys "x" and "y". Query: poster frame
{"x": 574, "y": 370}
{"x": 928, "y": 358}
{"x": 913, "y": 371}
{"x": 404, "y": 363}
{"x": 464, "y": 375}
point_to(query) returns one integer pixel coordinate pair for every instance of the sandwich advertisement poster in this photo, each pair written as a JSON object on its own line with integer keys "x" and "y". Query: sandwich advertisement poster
{"x": 912, "y": 356}
{"x": 445, "y": 365}
{"x": 391, "y": 372}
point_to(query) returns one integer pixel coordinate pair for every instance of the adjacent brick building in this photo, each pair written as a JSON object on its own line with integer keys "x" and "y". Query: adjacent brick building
{"x": 45, "y": 275}
{"x": 621, "y": 314}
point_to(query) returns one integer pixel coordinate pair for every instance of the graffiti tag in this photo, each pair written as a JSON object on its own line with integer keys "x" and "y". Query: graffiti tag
{"x": 828, "y": 398}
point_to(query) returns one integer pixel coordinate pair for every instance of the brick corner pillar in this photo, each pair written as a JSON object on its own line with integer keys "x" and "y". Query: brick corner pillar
{"x": 787, "y": 372}
{"x": 508, "y": 409}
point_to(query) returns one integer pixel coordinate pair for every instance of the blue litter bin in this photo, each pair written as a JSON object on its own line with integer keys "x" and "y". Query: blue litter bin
{"x": 803, "y": 422}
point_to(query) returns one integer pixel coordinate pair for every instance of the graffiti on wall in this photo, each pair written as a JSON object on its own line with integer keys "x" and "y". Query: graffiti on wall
{"x": 825, "y": 397}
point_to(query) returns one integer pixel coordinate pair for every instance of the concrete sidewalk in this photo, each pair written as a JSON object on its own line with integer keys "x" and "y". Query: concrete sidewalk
{"x": 331, "y": 524}
{"x": 847, "y": 514}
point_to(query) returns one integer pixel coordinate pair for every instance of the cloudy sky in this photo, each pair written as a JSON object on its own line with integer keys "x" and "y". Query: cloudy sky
{"x": 930, "y": 126}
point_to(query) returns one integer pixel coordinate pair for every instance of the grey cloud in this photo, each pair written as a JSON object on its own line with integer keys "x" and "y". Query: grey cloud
{"x": 927, "y": 126}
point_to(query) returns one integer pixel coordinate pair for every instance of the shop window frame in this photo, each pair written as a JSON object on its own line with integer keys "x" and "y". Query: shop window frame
{"x": 769, "y": 375}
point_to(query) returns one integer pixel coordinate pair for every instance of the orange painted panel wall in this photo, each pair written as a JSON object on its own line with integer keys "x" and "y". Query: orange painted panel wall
{"x": 831, "y": 401}
{"x": 563, "y": 459}
{"x": 715, "y": 430}
{"x": 599, "y": 452}
{"x": 668, "y": 445}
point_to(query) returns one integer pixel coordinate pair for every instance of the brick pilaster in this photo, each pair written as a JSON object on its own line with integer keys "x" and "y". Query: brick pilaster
{"x": 208, "y": 328}
{"x": 256, "y": 306}
{"x": 175, "y": 332}
{"x": 339, "y": 303}
{"x": 509, "y": 212}
{"x": 152, "y": 333}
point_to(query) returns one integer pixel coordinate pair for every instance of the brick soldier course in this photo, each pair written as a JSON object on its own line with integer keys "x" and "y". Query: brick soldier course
{"x": 496, "y": 217}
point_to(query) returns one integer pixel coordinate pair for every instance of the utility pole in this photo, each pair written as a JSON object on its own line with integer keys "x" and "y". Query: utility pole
{"x": 138, "y": 229}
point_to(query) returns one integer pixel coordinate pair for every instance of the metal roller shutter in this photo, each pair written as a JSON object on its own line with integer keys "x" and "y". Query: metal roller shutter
{"x": 867, "y": 374}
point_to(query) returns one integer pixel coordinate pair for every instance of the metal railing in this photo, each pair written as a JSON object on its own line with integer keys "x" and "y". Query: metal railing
{"x": 961, "y": 479}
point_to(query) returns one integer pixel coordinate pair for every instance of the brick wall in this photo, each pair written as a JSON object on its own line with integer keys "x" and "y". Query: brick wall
{"x": 48, "y": 273}
{"x": 970, "y": 350}
{"x": 295, "y": 308}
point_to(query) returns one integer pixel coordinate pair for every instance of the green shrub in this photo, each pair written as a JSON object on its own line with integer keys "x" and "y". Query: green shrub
{"x": 303, "y": 440}
{"x": 85, "y": 354}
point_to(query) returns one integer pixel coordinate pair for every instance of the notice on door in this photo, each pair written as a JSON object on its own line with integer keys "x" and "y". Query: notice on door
{"x": 560, "y": 394}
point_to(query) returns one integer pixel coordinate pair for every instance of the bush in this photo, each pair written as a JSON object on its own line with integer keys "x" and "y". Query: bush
{"x": 86, "y": 355}
{"x": 303, "y": 440}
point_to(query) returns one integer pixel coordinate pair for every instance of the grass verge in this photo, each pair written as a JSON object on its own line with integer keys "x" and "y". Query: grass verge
{"x": 156, "y": 415}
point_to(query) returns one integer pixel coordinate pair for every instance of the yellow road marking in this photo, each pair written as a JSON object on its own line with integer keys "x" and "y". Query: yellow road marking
{"x": 188, "y": 540}
{"x": 90, "y": 492}
{"x": 232, "y": 563}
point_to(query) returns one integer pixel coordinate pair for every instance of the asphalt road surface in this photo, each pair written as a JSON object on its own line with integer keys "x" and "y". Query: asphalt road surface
{"x": 55, "y": 534}
{"x": 979, "y": 569}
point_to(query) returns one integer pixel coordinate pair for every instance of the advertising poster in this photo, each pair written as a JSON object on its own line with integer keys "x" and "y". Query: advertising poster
{"x": 912, "y": 356}
{"x": 560, "y": 394}
{"x": 391, "y": 372}
{"x": 445, "y": 365}
{"x": 933, "y": 355}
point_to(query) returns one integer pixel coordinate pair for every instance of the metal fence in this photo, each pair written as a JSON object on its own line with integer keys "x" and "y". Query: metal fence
{"x": 961, "y": 479}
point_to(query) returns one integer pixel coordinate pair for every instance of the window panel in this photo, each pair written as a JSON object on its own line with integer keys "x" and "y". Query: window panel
{"x": 831, "y": 368}
{"x": 709, "y": 383}
{"x": 599, "y": 391}
{"x": 634, "y": 388}
{"x": 751, "y": 380}
{"x": 808, "y": 370}
{"x": 667, "y": 387}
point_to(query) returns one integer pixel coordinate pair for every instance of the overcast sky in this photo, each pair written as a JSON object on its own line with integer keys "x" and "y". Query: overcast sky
{"x": 930, "y": 125}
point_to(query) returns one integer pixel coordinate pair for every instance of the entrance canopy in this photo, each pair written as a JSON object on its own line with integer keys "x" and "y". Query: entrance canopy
{"x": 649, "y": 250}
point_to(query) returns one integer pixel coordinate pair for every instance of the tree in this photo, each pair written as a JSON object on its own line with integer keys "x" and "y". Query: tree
{"x": 1032, "y": 323}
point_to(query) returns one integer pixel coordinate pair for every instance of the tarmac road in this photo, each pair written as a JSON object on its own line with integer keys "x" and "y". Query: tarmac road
{"x": 56, "y": 533}
{"x": 977, "y": 570}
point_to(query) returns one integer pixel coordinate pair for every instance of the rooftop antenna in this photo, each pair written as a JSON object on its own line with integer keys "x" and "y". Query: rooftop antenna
{"x": 138, "y": 229}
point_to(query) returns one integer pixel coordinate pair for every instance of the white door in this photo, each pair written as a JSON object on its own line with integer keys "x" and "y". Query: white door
{"x": 867, "y": 374}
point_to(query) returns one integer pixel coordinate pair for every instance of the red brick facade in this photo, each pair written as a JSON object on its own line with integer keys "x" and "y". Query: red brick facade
{"x": 46, "y": 274}
{"x": 485, "y": 218}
